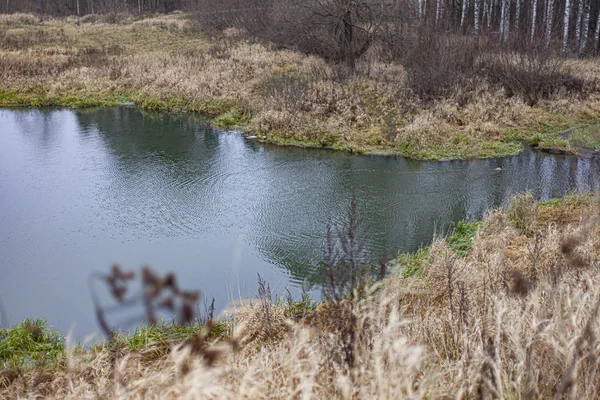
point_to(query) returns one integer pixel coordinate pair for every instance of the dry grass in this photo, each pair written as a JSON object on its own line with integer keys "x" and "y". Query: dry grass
{"x": 18, "y": 19}
{"x": 516, "y": 316}
{"x": 282, "y": 96}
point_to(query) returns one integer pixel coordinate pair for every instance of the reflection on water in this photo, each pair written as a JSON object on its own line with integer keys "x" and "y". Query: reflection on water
{"x": 80, "y": 190}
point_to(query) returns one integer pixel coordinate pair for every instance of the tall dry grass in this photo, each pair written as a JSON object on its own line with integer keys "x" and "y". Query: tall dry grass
{"x": 18, "y": 19}
{"x": 516, "y": 317}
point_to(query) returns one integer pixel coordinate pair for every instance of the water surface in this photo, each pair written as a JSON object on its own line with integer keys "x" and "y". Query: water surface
{"x": 80, "y": 190}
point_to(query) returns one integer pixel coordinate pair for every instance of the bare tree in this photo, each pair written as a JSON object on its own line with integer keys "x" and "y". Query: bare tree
{"x": 342, "y": 30}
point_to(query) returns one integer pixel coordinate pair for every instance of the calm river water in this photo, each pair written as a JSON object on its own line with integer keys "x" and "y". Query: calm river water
{"x": 80, "y": 190}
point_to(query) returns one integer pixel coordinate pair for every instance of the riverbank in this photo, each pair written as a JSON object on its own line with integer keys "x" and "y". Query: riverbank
{"x": 504, "y": 306}
{"x": 166, "y": 63}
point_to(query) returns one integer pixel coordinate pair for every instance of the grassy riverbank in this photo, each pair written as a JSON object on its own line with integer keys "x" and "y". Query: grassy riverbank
{"x": 166, "y": 63}
{"x": 506, "y": 307}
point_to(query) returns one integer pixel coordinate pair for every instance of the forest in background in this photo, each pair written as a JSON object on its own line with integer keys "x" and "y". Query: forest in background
{"x": 574, "y": 24}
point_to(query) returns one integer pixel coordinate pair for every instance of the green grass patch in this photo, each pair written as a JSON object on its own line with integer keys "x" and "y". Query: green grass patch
{"x": 30, "y": 344}
{"x": 298, "y": 309}
{"x": 560, "y": 134}
{"x": 460, "y": 150}
{"x": 412, "y": 264}
{"x": 461, "y": 239}
{"x": 587, "y": 137}
{"x": 230, "y": 119}
{"x": 26, "y": 98}
{"x": 572, "y": 200}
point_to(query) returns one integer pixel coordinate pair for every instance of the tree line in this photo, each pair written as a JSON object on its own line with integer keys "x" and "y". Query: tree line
{"x": 84, "y": 7}
{"x": 574, "y": 25}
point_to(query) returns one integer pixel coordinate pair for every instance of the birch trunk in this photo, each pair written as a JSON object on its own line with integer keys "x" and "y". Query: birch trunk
{"x": 483, "y": 13}
{"x": 585, "y": 28}
{"x": 420, "y": 5}
{"x": 465, "y": 5}
{"x": 566, "y": 26}
{"x": 502, "y": 14}
{"x": 517, "y": 19}
{"x": 506, "y": 22}
{"x": 549, "y": 19}
{"x": 578, "y": 24}
{"x": 476, "y": 18}
{"x": 597, "y": 34}
{"x": 438, "y": 5}
{"x": 533, "y": 19}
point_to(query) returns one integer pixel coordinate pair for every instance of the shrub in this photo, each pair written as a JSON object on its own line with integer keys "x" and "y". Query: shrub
{"x": 285, "y": 91}
{"x": 437, "y": 64}
{"x": 533, "y": 74}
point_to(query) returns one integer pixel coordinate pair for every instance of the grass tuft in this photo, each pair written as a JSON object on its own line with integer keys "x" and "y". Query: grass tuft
{"x": 30, "y": 344}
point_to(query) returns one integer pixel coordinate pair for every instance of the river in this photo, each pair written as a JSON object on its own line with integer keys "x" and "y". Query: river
{"x": 81, "y": 190}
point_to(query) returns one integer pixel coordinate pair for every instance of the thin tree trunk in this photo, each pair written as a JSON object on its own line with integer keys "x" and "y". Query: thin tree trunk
{"x": 578, "y": 24}
{"x": 7, "y": 7}
{"x": 502, "y": 15}
{"x": 465, "y": 5}
{"x": 78, "y": 14}
{"x": 549, "y": 19}
{"x": 348, "y": 44}
{"x": 420, "y": 9}
{"x": 597, "y": 34}
{"x": 476, "y": 18}
{"x": 533, "y": 19}
{"x": 585, "y": 29}
{"x": 506, "y": 23}
{"x": 438, "y": 9}
{"x": 484, "y": 14}
{"x": 517, "y": 19}
{"x": 566, "y": 26}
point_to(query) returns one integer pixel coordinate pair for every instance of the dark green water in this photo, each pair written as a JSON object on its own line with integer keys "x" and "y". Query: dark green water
{"x": 80, "y": 190}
